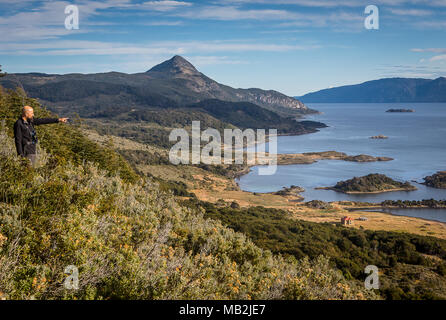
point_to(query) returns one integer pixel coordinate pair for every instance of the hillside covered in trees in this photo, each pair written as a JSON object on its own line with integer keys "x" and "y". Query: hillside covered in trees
{"x": 83, "y": 205}
{"x": 383, "y": 90}
{"x": 411, "y": 266}
{"x": 132, "y": 237}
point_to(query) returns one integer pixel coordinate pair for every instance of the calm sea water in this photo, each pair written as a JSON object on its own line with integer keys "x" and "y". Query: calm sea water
{"x": 417, "y": 142}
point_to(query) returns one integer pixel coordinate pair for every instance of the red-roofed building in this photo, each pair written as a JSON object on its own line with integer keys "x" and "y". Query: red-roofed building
{"x": 347, "y": 220}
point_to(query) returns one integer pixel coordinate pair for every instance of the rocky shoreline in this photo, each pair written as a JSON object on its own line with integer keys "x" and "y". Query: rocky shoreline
{"x": 309, "y": 158}
{"x": 312, "y": 157}
{"x": 380, "y": 136}
{"x": 366, "y": 192}
{"x": 437, "y": 180}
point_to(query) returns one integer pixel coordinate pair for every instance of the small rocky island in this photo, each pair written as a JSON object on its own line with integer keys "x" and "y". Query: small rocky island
{"x": 372, "y": 183}
{"x": 291, "y": 191}
{"x": 400, "y": 110}
{"x": 379, "y": 137}
{"x": 437, "y": 180}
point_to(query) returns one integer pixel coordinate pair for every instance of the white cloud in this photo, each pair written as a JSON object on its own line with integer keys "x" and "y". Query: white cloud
{"x": 278, "y": 18}
{"x": 165, "y": 5}
{"x": 436, "y": 50}
{"x": 339, "y": 3}
{"x": 343, "y": 19}
{"x": 234, "y": 13}
{"x": 47, "y": 20}
{"x": 65, "y": 47}
{"x": 303, "y": 3}
{"x": 441, "y": 57}
{"x": 199, "y": 61}
{"x": 412, "y": 71}
{"x": 163, "y": 23}
{"x": 411, "y": 12}
{"x": 431, "y": 24}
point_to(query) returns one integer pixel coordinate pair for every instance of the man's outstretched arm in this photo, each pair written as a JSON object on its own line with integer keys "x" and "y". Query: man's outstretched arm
{"x": 48, "y": 120}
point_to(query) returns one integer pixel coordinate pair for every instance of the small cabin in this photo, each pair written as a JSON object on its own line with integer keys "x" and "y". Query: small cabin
{"x": 346, "y": 220}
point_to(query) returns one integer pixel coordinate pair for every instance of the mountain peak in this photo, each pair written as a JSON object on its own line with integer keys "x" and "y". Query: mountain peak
{"x": 177, "y": 65}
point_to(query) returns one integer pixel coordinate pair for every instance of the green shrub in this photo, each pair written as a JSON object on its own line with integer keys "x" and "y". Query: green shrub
{"x": 350, "y": 250}
{"x": 128, "y": 238}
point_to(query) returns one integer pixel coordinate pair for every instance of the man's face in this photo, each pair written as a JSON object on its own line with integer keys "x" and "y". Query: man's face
{"x": 29, "y": 113}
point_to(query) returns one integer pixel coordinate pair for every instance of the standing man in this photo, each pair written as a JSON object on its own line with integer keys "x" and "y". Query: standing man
{"x": 25, "y": 135}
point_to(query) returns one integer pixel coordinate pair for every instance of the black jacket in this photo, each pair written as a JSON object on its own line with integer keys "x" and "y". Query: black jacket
{"x": 23, "y": 130}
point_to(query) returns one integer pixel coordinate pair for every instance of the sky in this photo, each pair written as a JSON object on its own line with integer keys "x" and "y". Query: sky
{"x": 292, "y": 46}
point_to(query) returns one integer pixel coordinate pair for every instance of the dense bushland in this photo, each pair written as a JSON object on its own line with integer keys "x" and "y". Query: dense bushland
{"x": 412, "y": 266}
{"x": 129, "y": 239}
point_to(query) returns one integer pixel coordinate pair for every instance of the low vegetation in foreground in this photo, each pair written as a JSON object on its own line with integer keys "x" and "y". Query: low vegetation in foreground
{"x": 129, "y": 239}
{"x": 411, "y": 266}
{"x": 372, "y": 183}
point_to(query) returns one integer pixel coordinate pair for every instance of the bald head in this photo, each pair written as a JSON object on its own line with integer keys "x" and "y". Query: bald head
{"x": 27, "y": 112}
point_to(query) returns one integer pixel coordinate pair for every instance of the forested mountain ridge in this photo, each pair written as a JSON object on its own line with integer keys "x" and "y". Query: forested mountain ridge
{"x": 386, "y": 90}
{"x": 173, "y": 83}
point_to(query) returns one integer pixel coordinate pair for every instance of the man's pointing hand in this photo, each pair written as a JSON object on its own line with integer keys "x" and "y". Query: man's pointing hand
{"x": 64, "y": 120}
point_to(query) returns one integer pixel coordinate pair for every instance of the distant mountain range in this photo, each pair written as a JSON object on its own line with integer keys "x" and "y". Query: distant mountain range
{"x": 173, "y": 83}
{"x": 168, "y": 94}
{"x": 384, "y": 90}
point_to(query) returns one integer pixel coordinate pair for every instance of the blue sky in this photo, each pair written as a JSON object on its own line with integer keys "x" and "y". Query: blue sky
{"x": 293, "y": 46}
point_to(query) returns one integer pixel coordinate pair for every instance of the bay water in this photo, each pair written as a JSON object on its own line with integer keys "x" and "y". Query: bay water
{"x": 416, "y": 141}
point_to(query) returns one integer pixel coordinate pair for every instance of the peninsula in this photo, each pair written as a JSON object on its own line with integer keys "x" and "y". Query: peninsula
{"x": 312, "y": 157}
